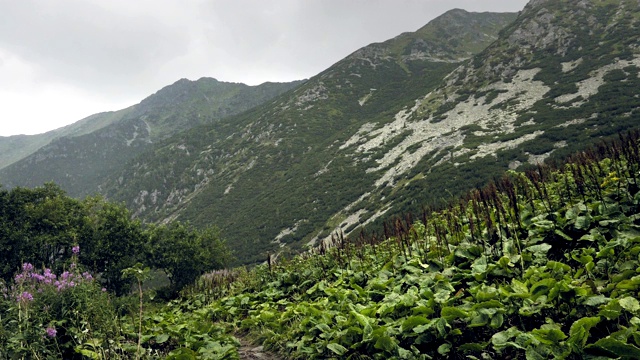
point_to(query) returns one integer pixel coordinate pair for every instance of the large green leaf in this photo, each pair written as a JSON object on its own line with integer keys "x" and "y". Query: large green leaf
{"x": 542, "y": 287}
{"x": 162, "y": 338}
{"x": 549, "y": 334}
{"x": 630, "y": 304}
{"x": 617, "y": 348}
{"x": 451, "y": 313}
{"x": 579, "y": 332}
{"x": 337, "y": 348}
{"x": 500, "y": 340}
{"x": 596, "y": 300}
{"x": 557, "y": 266}
{"x": 412, "y": 322}
{"x": 444, "y": 349}
{"x": 383, "y": 340}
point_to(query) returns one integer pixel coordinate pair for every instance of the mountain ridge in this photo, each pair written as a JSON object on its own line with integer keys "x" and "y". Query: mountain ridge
{"x": 395, "y": 125}
{"x": 79, "y": 155}
{"x": 292, "y": 139}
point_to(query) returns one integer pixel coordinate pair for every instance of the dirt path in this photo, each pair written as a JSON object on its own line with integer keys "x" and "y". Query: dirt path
{"x": 250, "y": 351}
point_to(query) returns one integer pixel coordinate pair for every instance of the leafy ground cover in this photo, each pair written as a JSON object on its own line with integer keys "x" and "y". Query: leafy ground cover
{"x": 536, "y": 265}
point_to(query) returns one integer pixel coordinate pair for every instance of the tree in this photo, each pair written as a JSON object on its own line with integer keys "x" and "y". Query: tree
{"x": 37, "y": 225}
{"x": 114, "y": 242}
{"x": 184, "y": 253}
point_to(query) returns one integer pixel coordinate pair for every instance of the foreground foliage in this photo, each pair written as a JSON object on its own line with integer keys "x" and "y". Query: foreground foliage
{"x": 66, "y": 270}
{"x": 44, "y": 315}
{"x": 537, "y": 265}
{"x": 42, "y": 225}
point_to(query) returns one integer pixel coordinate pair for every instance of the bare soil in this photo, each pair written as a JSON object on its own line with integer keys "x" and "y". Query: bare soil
{"x": 251, "y": 351}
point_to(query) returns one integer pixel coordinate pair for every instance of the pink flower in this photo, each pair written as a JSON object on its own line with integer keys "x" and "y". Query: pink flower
{"x": 51, "y": 332}
{"x": 25, "y": 297}
{"x": 49, "y": 274}
{"x": 27, "y": 267}
{"x": 76, "y": 249}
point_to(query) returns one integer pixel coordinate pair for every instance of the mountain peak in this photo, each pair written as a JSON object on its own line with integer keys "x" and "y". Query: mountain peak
{"x": 398, "y": 124}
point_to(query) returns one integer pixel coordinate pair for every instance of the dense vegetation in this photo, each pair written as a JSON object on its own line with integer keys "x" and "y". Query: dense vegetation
{"x": 538, "y": 264}
{"x": 78, "y": 157}
{"x": 42, "y": 226}
{"x": 535, "y": 265}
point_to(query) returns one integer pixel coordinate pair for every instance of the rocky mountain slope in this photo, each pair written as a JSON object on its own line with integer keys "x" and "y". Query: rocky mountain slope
{"x": 415, "y": 120}
{"x": 281, "y": 174}
{"x": 79, "y": 156}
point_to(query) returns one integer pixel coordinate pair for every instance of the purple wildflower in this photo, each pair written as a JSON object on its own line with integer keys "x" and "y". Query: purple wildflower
{"x": 25, "y": 297}
{"x": 19, "y": 278}
{"x": 27, "y": 267}
{"x": 49, "y": 274}
{"x": 76, "y": 249}
{"x": 51, "y": 332}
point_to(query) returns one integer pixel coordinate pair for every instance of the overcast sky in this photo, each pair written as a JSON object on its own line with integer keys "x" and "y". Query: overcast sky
{"x": 63, "y": 60}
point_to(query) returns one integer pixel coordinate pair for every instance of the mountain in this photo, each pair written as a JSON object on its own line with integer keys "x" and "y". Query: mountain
{"x": 282, "y": 173}
{"x": 410, "y": 122}
{"x": 80, "y": 155}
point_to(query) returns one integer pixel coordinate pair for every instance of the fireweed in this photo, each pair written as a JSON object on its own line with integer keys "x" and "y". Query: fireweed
{"x": 53, "y": 315}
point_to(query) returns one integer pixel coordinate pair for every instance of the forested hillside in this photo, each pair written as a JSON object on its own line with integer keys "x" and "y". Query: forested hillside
{"x": 79, "y": 156}
{"x": 535, "y": 265}
{"x": 418, "y": 119}
{"x": 278, "y": 175}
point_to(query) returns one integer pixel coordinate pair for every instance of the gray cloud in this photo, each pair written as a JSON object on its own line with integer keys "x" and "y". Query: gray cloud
{"x": 81, "y": 43}
{"x": 122, "y": 50}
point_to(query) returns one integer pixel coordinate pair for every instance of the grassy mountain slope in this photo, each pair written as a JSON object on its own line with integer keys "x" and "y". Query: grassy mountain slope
{"x": 276, "y": 174}
{"x": 17, "y": 147}
{"x": 79, "y": 156}
{"x": 561, "y": 75}
{"x": 537, "y": 265}
{"x": 380, "y": 134}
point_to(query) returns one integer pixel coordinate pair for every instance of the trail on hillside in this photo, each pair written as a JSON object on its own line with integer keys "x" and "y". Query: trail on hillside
{"x": 251, "y": 351}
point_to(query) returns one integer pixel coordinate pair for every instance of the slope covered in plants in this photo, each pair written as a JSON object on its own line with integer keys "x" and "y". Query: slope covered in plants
{"x": 276, "y": 174}
{"x": 536, "y": 265}
{"x": 399, "y": 124}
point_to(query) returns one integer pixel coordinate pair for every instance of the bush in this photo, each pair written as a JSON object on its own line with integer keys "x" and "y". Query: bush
{"x": 184, "y": 254}
{"x": 46, "y": 315}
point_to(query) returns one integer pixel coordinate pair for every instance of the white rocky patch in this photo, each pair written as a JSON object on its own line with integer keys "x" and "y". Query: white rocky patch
{"x": 287, "y": 231}
{"x": 135, "y": 136}
{"x": 590, "y": 86}
{"x": 183, "y": 148}
{"x": 492, "y": 148}
{"x": 572, "y": 122}
{"x": 324, "y": 170}
{"x": 538, "y": 159}
{"x": 570, "y": 65}
{"x": 364, "y": 99}
{"x": 318, "y": 92}
{"x": 445, "y": 133}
